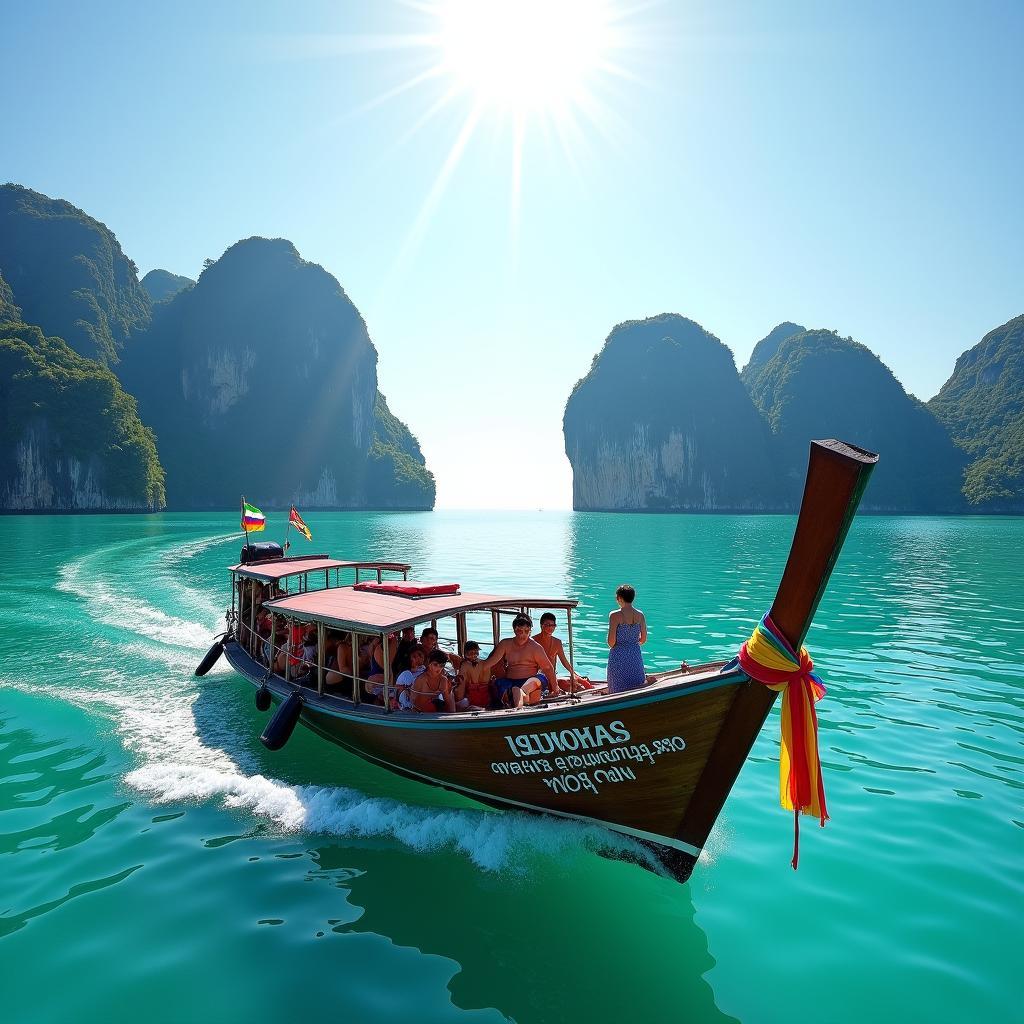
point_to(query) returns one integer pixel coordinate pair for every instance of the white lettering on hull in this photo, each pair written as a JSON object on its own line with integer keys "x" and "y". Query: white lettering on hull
{"x": 536, "y": 744}
{"x": 587, "y": 758}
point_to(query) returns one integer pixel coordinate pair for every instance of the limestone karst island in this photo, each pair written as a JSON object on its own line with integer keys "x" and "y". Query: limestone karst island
{"x": 111, "y": 385}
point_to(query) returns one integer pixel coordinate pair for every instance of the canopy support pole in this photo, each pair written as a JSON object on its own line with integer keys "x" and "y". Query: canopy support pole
{"x": 252, "y": 616}
{"x": 385, "y": 643}
{"x": 355, "y": 667}
{"x": 320, "y": 630}
{"x": 572, "y": 668}
{"x": 460, "y": 632}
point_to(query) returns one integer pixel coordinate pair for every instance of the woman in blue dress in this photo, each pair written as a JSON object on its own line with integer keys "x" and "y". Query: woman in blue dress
{"x": 627, "y": 630}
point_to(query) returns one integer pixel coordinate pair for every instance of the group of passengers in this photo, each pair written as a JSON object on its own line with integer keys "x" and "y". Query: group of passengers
{"x": 522, "y": 669}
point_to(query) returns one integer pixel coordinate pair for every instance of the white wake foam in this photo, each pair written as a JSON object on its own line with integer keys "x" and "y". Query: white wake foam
{"x": 492, "y": 841}
{"x": 113, "y": 606}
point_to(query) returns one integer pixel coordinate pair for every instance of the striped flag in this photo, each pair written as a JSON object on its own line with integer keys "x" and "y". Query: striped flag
{"x": 296, "y": 520}
{"x": 253, "y": 519}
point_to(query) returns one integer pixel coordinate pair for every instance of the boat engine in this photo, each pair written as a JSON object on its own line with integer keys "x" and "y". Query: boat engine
{"x": 211, "y": 658}
{"x": 279, "y": 729}
{"x": 262, "y": 551}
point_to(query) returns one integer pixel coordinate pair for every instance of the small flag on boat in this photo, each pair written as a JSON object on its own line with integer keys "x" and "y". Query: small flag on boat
{"x": 252, "y": 518}
{"x": 296, "y": 520}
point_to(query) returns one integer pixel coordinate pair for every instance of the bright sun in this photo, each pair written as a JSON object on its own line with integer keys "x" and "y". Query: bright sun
{"x": 524, "y": 55}
{"x": 535, "y": 69}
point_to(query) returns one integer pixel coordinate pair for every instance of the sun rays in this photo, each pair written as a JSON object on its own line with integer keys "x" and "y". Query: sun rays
{"x": 534, "y": 72}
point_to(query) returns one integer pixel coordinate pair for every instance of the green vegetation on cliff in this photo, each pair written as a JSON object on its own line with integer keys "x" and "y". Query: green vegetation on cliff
{"x": 9, "y": 312}
{"x": 982, "y": 404}
{"x": 395, "y": 470}
{"x": 765, "y": 349}
{"x": 662, "y": 421}
{"x": 70, "y": 438}
{"x": 262, "y": 380}
{"x": 68, "y": 274}
{"x": 818, "y": 385}
{"x": 162, "y": 285}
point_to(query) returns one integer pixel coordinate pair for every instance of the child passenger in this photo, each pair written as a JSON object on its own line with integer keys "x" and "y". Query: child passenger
{"x": 475, "y": 686}
{"x": 417, "y": 658}
{"x": 432, "y": 691}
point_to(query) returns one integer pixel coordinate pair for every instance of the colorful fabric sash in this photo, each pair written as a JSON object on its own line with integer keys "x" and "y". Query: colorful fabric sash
{"x": 768, "y": 657}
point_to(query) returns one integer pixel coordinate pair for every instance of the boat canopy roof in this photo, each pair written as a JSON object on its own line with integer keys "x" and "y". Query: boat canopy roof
{"x": 374, "y": 612}
{"x": 276, "y": 569}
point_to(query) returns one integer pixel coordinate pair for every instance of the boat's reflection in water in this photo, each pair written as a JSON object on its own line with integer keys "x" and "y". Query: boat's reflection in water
{"x": 546, "y": 942}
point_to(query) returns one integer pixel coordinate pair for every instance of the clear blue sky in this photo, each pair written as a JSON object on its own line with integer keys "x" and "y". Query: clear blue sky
{"x": 850, "y": 166}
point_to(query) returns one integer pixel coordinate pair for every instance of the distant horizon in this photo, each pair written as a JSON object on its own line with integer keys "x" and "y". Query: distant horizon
{"x": 310, "y": 511}
{"x": 496, "y": 191}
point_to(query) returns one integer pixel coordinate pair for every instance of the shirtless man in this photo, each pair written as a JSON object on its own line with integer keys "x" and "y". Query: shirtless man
{"x": 342, "y": 672}
{"x": 526, "y": 660}
{"x": 553, "y": 649}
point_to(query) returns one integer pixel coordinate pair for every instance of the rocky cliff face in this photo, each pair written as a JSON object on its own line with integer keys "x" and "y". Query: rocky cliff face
{"x": 818, "y": 384}
{"x": 262, "y": 380}
{"x": 70, "y": 438}
{"x": 982, "y": 404}
{"x": 40, "y": 477}
{"x": 662, "y": 422}
{"x": 68, "y": 274}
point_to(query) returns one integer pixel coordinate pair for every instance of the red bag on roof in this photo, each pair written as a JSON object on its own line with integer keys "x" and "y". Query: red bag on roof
{"x": 410, "y": 589}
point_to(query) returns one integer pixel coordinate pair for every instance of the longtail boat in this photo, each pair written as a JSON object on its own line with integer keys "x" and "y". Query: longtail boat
{"x": 655, "y": 763}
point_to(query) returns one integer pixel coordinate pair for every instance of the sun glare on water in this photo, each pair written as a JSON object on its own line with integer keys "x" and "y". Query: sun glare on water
{"x": 524, "y": 55}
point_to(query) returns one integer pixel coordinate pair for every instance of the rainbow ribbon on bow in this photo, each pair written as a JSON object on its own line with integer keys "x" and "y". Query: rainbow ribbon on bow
{"x": 768, "y": 657}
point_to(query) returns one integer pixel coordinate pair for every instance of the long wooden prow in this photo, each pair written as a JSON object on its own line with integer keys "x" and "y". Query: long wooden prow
{"x": 837, "y": 474}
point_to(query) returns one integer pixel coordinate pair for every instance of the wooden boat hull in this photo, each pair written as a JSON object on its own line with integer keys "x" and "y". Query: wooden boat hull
{"x": 630, "y": 762}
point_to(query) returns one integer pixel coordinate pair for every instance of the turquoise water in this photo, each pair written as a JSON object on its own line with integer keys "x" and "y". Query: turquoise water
{"x": 160, "y": 864}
